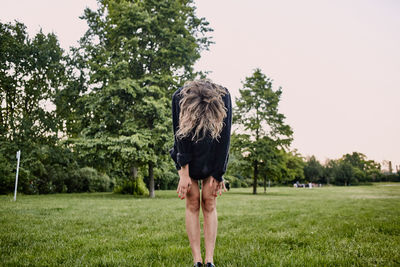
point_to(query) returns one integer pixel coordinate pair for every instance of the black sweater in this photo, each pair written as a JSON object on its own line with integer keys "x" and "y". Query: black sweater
{"x": 208, "y": 156}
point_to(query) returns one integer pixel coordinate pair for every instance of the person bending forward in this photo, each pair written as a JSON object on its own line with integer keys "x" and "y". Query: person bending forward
{"x": 202, "y": 119}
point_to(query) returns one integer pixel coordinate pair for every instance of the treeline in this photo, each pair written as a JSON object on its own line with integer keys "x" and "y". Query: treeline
{"x": 350, "y": 169}
{"x": 98, "y": 116}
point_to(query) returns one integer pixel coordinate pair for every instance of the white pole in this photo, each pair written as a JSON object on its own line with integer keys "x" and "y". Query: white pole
{"x": 16, "y": 177}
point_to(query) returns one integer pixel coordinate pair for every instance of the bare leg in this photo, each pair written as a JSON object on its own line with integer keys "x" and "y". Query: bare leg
{"x": 192, "y": 220}
{"x": 209, "y": 207}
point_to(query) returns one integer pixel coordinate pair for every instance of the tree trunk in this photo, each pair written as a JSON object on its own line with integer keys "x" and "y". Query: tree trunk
{"x": 133, "y": 173}
{"x": 255, "y": 177}
{"x": 151, "y": 180}
{"x": 265, "y": 185}
{"x": 134, "y": 176}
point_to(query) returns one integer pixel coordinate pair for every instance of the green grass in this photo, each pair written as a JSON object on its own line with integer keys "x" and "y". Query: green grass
{"x": 329, "y": 226}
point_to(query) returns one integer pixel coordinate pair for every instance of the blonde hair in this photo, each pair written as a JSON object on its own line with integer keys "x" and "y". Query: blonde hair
{"x": 201, "y": 109}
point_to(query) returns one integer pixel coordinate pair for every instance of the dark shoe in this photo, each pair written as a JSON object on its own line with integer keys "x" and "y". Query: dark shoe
{"x": 198, "y": 264}
{"x": 209, "y": 264}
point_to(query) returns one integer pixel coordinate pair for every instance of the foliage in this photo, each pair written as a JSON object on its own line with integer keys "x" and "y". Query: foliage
{"x": 313, "y": 170}
{"x": 7, "y": 178}
{"x": 136, "y": 187}
{"x": 350, "y": 169}
{"x": 293, "y": 167}
{"x": 110, "y": 96}
{"x": 94, "y": 181}
{"x": 264, "y": 129}
{"x": 363, "y": 169}
{"x": 134, "y": 55}
{"x": 31, "y": 73}
{"x": 49, "y": 169}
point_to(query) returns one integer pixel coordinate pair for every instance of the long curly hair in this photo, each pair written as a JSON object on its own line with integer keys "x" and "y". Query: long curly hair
{"x": 202, "y": 109}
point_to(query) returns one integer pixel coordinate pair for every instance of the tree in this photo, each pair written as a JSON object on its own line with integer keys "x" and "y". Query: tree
{"x": 31, "y": 72}
{"x": 344, "y": 173}
{"x": 329, "y": 170}
{"x": 356, "y": 159}
{"x": 264, "y": 129}
{"x": 135, "y": 54}
{"x": 293, "y": 167}
{"x": 313, "y": 170}
{"x": 363, "y": 169}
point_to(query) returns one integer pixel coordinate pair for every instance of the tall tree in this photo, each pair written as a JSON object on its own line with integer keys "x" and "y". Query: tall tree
{"x": 257, "y": 115}
{"x": 31, "y": 72}
{"x": 136, "y": 54}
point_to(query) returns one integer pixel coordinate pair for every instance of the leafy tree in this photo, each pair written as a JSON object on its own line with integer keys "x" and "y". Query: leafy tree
{"x": 373, "y": 170}
{"x": 31, "y": 72}
{"x": 293, "y": 167}
{"x": 329, "y": 171}
{"x": 272, "y": 166}
{"x": 264, "y": 129}
{"x": 313, "y": 170}
{"x": 134, "y": 55}
{"x": 344, "y": 173}
{"x": 356, "y": 159}
{"x": 364, "y": 169}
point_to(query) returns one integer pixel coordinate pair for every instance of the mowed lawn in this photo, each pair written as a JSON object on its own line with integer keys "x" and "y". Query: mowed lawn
{"x": 328, "y": 226}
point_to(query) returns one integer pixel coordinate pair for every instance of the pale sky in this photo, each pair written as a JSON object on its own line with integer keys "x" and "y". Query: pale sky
{"x": 338, "y": 63}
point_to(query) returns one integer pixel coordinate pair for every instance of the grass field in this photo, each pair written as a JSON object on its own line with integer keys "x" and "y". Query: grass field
{"x": 328, "y": 226}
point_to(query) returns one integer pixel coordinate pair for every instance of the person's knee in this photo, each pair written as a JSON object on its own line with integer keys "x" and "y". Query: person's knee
{"x": 193, "y": 202}
{"x": 208, "y": 203}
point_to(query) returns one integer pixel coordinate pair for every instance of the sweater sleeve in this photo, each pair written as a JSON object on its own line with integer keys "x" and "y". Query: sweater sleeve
{"x": 181, "y": 153}
{"x": 222, "y": 145}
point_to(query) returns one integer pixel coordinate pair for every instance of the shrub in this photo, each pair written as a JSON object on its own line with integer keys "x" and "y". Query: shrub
{"x": 249, "y": 181}
{"x": 244, "y": 184}
{"x": 93, "y": 181}
{"x": 136, "y": 187}
{"x": 165, "y": 178}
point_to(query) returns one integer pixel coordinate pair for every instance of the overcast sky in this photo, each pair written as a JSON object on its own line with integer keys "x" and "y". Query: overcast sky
{"x": 338, "y": 63}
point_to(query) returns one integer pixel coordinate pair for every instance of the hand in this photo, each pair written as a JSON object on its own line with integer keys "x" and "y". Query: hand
{"x": 184, "y": 186}
{"x": 218, "y": 188}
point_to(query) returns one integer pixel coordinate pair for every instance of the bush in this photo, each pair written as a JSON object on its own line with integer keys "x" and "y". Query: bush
{"x": 249, "y": 181}
{"x": 88, "y": 179}
{"x": 136, "y": 187}
{"x": 165, "y": 178}
{"x": 93, "y": 181}
{"x": 48, "y": 169}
